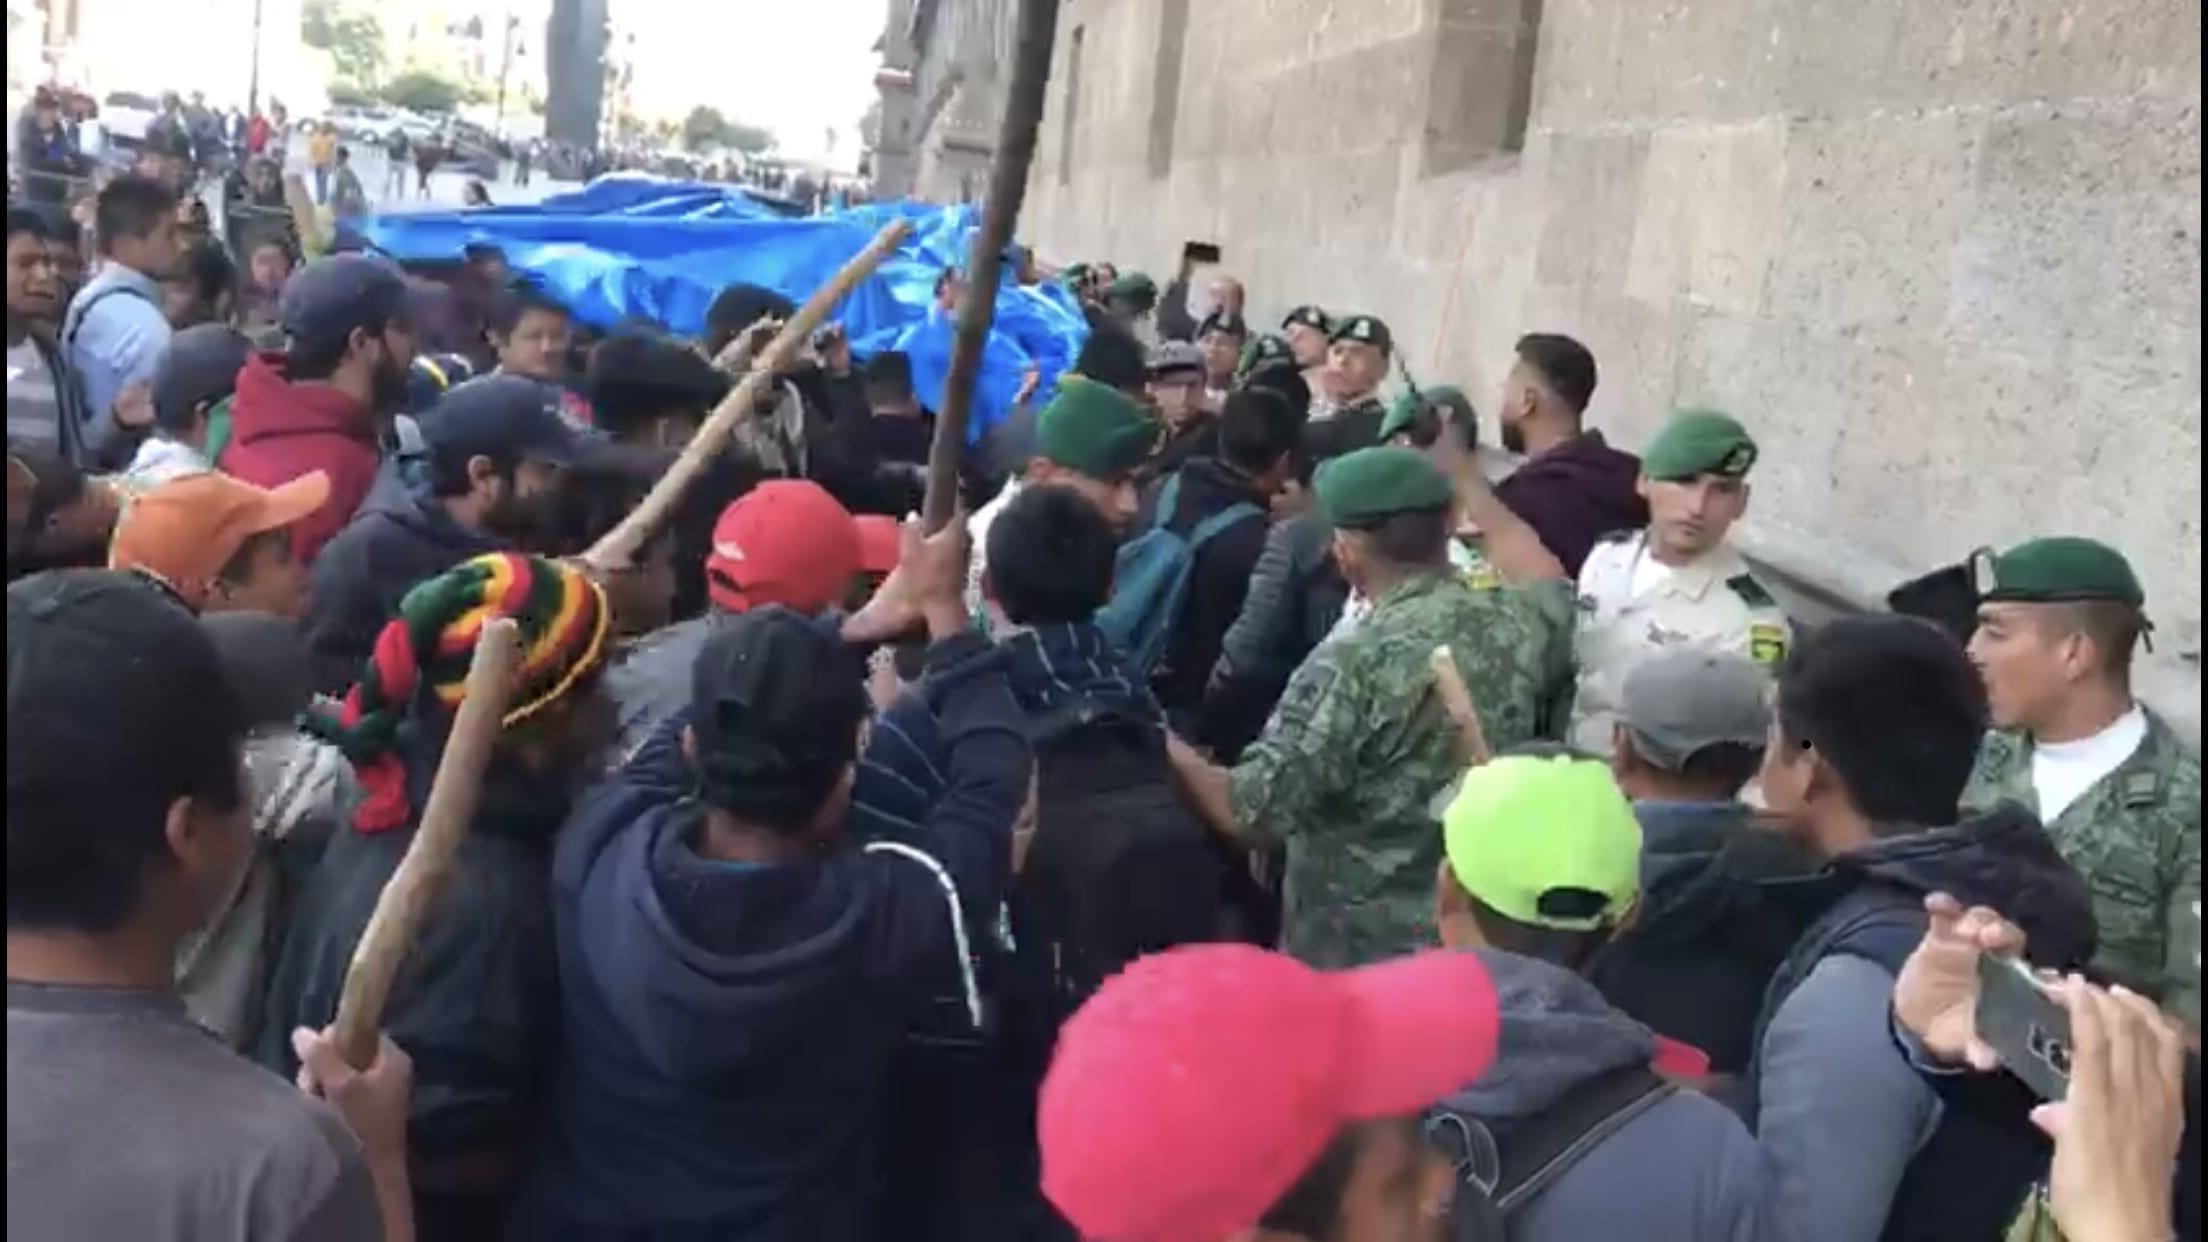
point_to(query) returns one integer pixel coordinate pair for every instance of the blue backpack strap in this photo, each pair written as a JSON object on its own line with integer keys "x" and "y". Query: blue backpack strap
{"x": 1169, "y": 502}
{"x": 1215, "y": 525}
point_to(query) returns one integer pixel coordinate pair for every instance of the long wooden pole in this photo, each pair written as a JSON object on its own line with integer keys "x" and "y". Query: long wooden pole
{"x": 1000, "y": 219}
{"x": 404, "y": 902}
{"x": 617, "y": 550}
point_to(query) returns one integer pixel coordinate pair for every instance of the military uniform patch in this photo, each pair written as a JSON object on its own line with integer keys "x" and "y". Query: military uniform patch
{"x": 1766, "y": 643}
{"x": 1750, "y": 591}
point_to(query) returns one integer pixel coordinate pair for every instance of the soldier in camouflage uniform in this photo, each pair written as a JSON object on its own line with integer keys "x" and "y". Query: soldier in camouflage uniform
{"x": 1349, "y": 770}
{"x": 2057, "y": 625}
{"x": 1678, "y": 583}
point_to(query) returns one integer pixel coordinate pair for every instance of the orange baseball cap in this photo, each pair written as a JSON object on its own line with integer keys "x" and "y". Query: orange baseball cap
{"x": 185, "y": 531}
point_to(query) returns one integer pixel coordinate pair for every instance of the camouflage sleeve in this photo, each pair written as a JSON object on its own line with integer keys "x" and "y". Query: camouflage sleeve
{"x": 1301, "y": 758}
{"x": 1555, "y": 607}
{"x": 2181, "y": 958}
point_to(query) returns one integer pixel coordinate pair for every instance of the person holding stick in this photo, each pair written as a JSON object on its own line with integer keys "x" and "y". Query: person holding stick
{"x": 125, "y": 1119}
{"x": 474, "y": 1004}
{"x": 741, "y": 959}
{"x": 1347, "y": 772}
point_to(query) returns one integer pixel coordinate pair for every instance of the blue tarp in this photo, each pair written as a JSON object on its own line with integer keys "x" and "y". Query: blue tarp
{"x": 628, "y": 246}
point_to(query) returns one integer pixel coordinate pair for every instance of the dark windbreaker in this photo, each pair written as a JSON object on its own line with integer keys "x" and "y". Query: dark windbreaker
{"x": 371, "y": 565}
{"x": 729, "y": 1030}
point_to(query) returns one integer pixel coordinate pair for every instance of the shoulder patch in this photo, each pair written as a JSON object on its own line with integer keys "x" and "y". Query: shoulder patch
{"x": 2142, "y": 789}
{"x": 1750, "y": 591}
{"x": 1767, "y": 643}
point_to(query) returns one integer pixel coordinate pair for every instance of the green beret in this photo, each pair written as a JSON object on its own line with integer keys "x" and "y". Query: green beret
{"x": 1095, "y": 430}
{"x": 1263, "y": 351}
{"x": 1371, "y": 485}
{"x": 1365, "y": 330}
{"x": 1133, "y": 287}
{"x": 1076, "y": 274}
{"x": 1408, "y": 405}
{"x": 1699, "y": 442}
{"x": 1309, "y": 317}
{"x": 2059, "y": 570}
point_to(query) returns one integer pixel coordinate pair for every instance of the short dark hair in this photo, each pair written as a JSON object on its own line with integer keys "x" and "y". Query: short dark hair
{"x": 30, "y": 221}
{"x": 517, "y": 300}
{"x": 1051, "y": 557}
{"x": 1113, "y": 357}
{"x": 207, "y": 265}
{"x": 737, "y": 307}
{"x": 1425, "y": 427}
{"x": 1411, "y": 539}
{"x": 2114, "y": 627}
{"x": 1894, "y": 707}
{"x": 888, "y": 377}
{"x": 131, "y": 206}
{"x": 1257, "y": 429}
{"x": 1724, "y": 766}
{"x": 448, "y": 472}
{"x": 1566, "y": 366}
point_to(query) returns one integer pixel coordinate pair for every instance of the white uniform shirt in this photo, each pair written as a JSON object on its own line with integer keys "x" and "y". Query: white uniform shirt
{"x": 1626, "y": 615}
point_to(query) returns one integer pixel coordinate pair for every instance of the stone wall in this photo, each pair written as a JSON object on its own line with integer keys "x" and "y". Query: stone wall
{"x": 1944, "y": 258}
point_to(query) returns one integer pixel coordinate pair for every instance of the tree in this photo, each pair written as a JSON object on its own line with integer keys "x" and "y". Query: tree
{"x": 705, "y": 128}
{"x": 418, "y": 90}
{"x": 354, "y": 40}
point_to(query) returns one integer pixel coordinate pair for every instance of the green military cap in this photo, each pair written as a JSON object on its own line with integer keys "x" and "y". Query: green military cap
{"x": 1309, "y": 317}
{"x": 1134, "y": 287}
{"x": 2063, "y": 569}
{"x": 1094, "y": 429}
{"x": 1075, "y": 274}
{"x": 1365, "y": 330}
{"x": 1408, "y": 405}
{"x": 1371, "y": 485}
{"x": 1699, "y": 442}
{"x": 1263, "y": 351}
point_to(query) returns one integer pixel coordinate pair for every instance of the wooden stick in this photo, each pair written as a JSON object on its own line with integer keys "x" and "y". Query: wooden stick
{"x": 1000, "y": 219}
{"x": 306, "y": 220}
{"x": 1456, "y": 699}
{"x": 406, "y": 897}
{"x": 618, "y": 549}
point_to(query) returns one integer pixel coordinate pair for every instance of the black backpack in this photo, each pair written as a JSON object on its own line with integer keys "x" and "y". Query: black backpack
{"x": 1118, "y": 867}
{"x": 1498, "y": 1177}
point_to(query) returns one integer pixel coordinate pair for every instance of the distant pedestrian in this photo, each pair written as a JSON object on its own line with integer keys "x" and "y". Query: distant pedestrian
{"x": 522, "y": 156}
{"x": 348, "y": 198}
{"x": 426, "y": 157}
{"x": 395, "y": 152}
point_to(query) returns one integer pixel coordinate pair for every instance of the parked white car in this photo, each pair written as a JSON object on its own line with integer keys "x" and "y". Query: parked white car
{"x": 126, "y": 115}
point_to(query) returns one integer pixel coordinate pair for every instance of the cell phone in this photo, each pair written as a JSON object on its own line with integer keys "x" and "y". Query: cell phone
{"x": 2021, "y": 1021}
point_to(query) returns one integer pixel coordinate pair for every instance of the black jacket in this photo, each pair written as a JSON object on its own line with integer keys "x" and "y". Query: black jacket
{"x": 1295, "y": 596}
{"x": 1709, "y": 932}
{"x": 474, "y": 1005}
{"x": 364, "y": 572}
{"x": 1218, "y": 581}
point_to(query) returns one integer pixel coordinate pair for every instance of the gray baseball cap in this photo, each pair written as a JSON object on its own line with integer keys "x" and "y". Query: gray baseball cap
{"x": 1684, "y": 700}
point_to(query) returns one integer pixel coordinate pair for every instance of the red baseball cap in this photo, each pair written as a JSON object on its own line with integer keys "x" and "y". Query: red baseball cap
{"x": 1197, "y": 1085}
{"x": 878, "y": 543}
{"x": 784, "y": 542}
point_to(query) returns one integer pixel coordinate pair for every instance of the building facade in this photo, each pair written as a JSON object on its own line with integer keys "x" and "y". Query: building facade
{"x": 890, "y": 124}
{"x": 1944, "y": 259}
{"x": 961, "y": 61}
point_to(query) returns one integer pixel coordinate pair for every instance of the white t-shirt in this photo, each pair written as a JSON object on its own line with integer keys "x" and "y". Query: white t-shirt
{"x": 2063, "y": 771}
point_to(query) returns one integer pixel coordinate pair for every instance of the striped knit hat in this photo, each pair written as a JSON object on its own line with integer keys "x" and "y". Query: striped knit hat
{"x": 564, "y": 622}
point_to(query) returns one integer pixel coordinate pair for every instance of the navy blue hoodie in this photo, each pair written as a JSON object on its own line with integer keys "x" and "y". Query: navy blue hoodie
{"x": 387, "y": 549}
{"x": 730, "y": 1030}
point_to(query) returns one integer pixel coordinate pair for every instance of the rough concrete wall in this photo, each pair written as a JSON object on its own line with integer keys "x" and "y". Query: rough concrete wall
{"x": 1945, "y": 259}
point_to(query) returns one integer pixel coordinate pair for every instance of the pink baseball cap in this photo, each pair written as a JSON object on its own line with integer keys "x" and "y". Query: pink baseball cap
{"x": 1197, "y": 1085}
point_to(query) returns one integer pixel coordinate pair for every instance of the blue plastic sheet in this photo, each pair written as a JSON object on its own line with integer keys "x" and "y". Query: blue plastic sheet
{"x": 633, "y": 247}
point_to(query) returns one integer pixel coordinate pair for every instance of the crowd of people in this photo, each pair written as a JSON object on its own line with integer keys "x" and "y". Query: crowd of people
{"x": 1114, "y": 861}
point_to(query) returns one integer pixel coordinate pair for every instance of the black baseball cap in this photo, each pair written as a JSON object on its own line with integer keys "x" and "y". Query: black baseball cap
{"x": 775, "y": 705}
{"x": 108, "y": 672}
{"x": 325, "y": 300}
{"x": 200, "y": 367}
{"x": 502, "y": 416}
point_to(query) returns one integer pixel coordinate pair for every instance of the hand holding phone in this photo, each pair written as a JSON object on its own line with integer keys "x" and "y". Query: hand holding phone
{"x": 2025, "y": 1025}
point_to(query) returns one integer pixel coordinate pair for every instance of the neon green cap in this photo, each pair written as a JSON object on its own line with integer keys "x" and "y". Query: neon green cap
{"x": 1545, "y": 840}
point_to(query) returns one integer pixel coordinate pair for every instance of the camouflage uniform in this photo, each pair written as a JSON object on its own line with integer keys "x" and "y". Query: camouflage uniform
{"x": 1349, "y": 768}
{"x": 2135, "y": 836}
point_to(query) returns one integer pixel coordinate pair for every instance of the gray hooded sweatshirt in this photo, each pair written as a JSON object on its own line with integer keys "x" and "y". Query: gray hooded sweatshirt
{"x": 1686, "y": 1170}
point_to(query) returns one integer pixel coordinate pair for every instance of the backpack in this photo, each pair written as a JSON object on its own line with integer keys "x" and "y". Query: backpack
{"x": 1117, "y": 867}
{"x": 1150, "y": 581}
{"x": 1497, "y": 1179}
